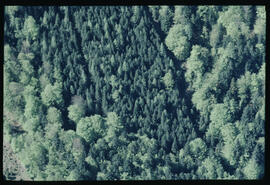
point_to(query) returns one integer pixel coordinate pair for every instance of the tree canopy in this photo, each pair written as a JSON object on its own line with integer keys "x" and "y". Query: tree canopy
{"x": 135, "y": 92}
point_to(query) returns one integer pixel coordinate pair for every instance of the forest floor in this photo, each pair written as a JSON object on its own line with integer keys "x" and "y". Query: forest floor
{"x": 13, "y": 169}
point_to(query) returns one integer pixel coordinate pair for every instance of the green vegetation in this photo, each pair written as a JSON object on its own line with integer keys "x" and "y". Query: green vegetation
{"x": 135, "y": 92}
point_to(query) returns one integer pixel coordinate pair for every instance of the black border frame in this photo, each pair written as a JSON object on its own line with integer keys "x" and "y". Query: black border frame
{"x": 266, "y": 178}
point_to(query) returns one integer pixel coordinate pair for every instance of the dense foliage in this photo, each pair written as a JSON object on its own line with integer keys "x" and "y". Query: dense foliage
{"x": 136, "y": 92}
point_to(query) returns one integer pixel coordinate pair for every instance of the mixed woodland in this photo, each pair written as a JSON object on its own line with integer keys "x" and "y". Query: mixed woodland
{"x": 135, "y": 92}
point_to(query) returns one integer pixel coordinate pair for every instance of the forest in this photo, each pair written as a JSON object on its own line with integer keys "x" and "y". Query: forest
{"x": 135, "y": 92}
